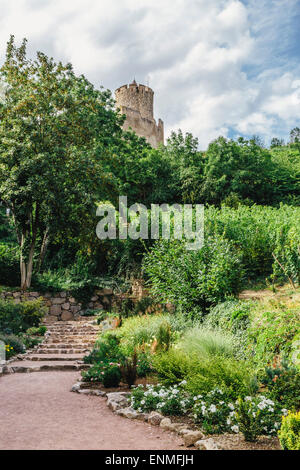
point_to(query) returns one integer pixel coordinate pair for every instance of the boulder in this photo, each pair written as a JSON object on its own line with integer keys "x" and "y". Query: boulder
{"x": 76, "y": 387}
{"x": 58, "y": 301}
{"x": 165, "y": 424}
{"x": 129, "y": 413}
{"x": 63, "y": 294}
{"x": 117, "y": 400}
{"x": 191, "y": 437}
{"x": 66, "y": 306}
{"x": 65, "y": 316}
{"x": 207, "y": 444}
{"x": 155, "y": 418}
{"x": 55, "y": 310}
{"x": 176, "y": 427}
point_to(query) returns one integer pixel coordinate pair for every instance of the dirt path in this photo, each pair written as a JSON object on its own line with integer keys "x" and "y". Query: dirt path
{"x": 37, "y": 411}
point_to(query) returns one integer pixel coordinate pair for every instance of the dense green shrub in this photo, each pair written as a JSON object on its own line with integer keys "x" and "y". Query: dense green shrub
{"x": 17, "y": 318}
{"x": 214, "y": 412}
{"x": 258, "y": 232}
{"x": 257, "y": 416}
{"x": 106, "y": 349}
{"x": 283, "y": 384}
{"x": 16, "y": 345}
{"x": 9, "y": 264}
{"x": 107, "y": 373}
{"x": 232, "y": 316}
{"x": 237, "y": 378}
{"x": 272, "y": 331}
{"x": 112, "y": 376}
{"x": 37, "y": 331}
{"x": 193, "y": 280}
{"x": 289, "y": 433}
{"x": 144, "y": 365}
{"x": 173, "y": 366}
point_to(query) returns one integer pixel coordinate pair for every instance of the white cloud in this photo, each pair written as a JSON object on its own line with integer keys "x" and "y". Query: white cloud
{"x": 213, "y": 65}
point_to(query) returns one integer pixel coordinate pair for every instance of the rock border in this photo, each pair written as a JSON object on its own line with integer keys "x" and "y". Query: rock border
{"x": 118, "y": 402}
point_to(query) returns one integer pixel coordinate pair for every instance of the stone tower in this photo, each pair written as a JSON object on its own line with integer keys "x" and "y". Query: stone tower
{"x": 136, "y": 102}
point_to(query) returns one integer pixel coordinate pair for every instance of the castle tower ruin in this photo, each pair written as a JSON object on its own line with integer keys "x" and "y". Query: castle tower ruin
{"x": 136, "y": 102}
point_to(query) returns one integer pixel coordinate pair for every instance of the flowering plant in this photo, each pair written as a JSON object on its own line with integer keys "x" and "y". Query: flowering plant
{"x": 258, "y": 416}
{"x": 167, "y": 400}
{"x": 214, "y": 412}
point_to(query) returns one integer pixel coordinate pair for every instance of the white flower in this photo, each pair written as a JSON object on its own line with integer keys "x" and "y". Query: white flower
{"x": 230, "y": 406}
{"x": 142, "y": 402}
{"x": 213, "y": 408}
{"x": 235, "y": 428}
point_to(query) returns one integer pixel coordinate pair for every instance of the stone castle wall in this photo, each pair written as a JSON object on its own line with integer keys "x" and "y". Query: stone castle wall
{"x": 136, "y": 102}
{"x": 143, "y": 127}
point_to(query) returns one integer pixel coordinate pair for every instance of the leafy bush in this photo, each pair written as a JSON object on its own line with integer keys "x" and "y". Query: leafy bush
{"x": 236, "y": 377}
{"x": 112, "y": 376}
{"x": 107, "y": 373}
{"x": 283, "y": 384}
{"x": 173, "y": 366}
{"x": 14, "y": 343}
{"x": 214, "y": 412}
{"x": 37, "y": 331}
{"x": 106, "y": 349}
{"x": 9, "y": 265}
{"x": 193, "y": 280}
{"x": 232, "y": 316}
{"x": 272, "y": 331}
{"x": 17, "y": 318}
{"x": 144, "y": 365}
{"x": 257, "y": 416}
{"x": 289, "y": 433}
{"x": 171, "y": 401}
{"x": 258, "y": 232}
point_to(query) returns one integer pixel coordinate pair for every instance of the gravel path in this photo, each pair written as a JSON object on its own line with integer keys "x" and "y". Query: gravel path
{"x": 37, "y": 411}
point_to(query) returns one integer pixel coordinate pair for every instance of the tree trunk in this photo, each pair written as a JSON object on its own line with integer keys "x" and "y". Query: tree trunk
{"x": 43, "y": 249}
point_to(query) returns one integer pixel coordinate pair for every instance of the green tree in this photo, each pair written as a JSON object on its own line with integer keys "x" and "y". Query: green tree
{"x": 56, "y": 132}
{"x": 275, "y": 142}
{"x": 182, "y": 153}
{"x": 241, "y": 167}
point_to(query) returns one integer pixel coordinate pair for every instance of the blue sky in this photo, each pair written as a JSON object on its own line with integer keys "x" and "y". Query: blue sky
{"x": 218, "y": 67}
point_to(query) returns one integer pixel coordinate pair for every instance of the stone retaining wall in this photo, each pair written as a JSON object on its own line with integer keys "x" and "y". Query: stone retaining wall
{"x": 62, "y": 306}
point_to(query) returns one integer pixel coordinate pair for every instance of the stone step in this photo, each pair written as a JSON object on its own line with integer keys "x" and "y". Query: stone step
{"x": 55, "y": 357}
{"x": 78, "y": 333}
{"x": 62, "y": 351}
{"x": 47, "y": 346}
{"x": 26, "y": 366}
{"x": 64, "y": 339}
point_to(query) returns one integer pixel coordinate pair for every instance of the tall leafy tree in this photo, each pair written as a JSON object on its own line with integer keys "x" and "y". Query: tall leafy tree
{"x": 241, "y": 167}
{"x": 56, "y": 136}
